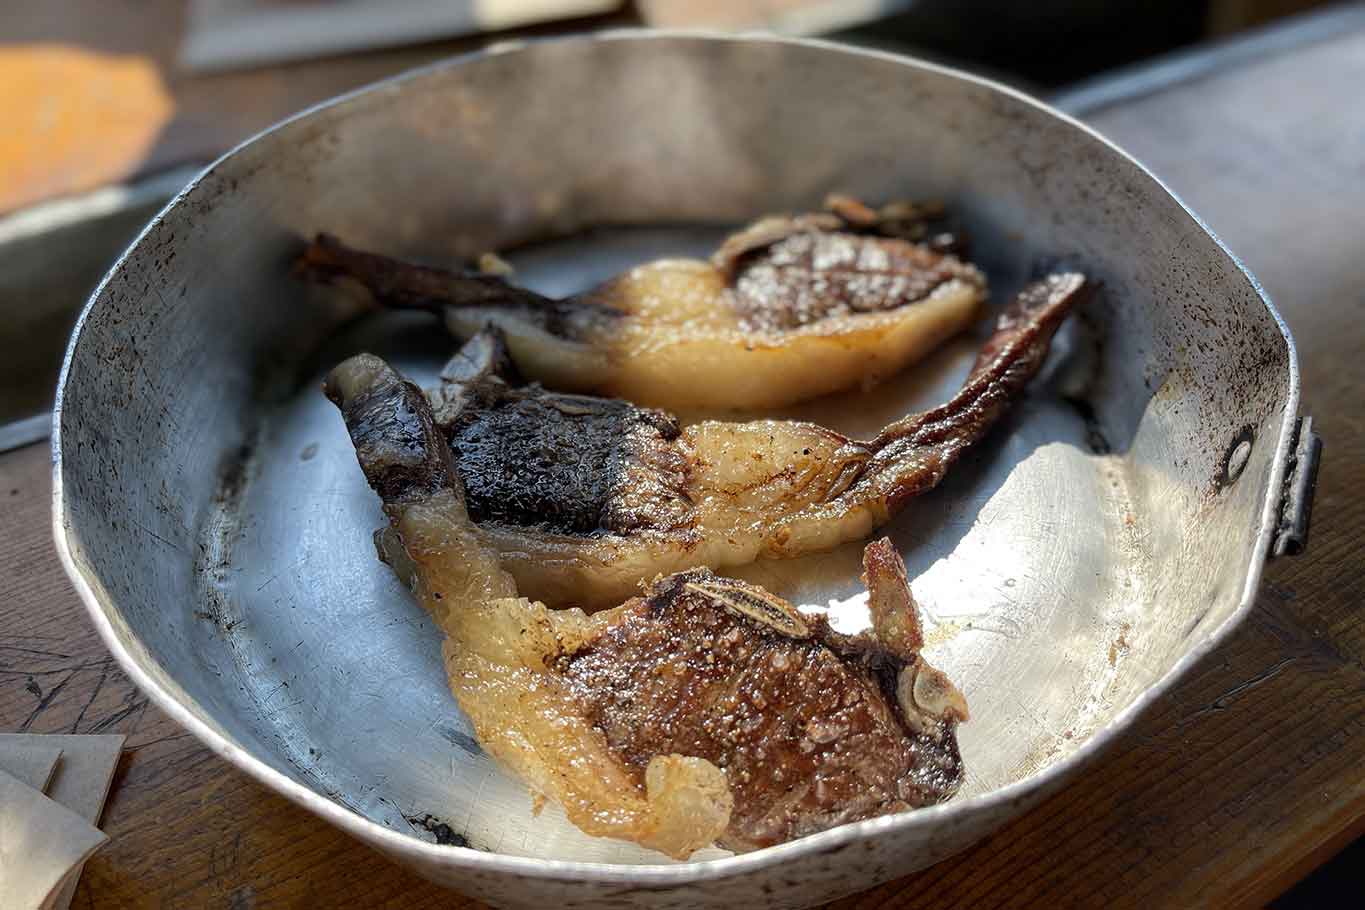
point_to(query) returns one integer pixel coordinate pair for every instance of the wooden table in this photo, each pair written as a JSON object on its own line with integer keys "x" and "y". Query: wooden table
{"x": 1230, "y": 789}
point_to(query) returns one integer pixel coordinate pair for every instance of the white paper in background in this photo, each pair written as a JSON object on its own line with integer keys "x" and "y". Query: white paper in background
{"x": 231, "y": 34}
{"x": 79, "y": 783}
{"x": 41, "y": 843}
{"x": 30, "y": 764}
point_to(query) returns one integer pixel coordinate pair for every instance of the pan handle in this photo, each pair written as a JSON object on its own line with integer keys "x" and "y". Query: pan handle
{"x": 1300, "y": 483}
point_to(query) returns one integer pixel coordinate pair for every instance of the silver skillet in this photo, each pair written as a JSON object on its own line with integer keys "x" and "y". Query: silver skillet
{"x": 209, "y": 510}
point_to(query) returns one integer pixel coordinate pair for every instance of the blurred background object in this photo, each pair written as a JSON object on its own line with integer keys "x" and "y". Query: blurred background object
{"x": 226, "y": 34}
{"x": 1041, "y": 44}
{"x": 61, "y": 100}
{"x": 73, "y": 59}
{"x": 112, "y": 104}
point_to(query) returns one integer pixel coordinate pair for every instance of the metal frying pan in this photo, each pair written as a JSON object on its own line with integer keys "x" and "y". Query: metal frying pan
{"x": 209, "y": 509}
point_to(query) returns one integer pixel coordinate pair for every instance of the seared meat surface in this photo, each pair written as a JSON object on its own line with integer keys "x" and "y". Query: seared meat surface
{"x": 806, "y": 726}
{"x": 707, "y": 710}
{"x": 790, "y": 308}
{"x": 584, "y": 497}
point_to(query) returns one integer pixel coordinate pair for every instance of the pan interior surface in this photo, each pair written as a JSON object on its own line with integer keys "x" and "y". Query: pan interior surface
{"x": 212, "y": 503}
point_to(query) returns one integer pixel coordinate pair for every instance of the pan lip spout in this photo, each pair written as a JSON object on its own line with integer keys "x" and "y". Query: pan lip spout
{"x": 104, "y": 612}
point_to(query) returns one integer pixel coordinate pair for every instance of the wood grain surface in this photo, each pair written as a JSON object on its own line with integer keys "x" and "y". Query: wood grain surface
{"x": 1223, "y": 794}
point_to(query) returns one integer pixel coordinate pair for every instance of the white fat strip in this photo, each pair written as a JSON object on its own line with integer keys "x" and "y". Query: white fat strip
{"x": 847, "y": 617}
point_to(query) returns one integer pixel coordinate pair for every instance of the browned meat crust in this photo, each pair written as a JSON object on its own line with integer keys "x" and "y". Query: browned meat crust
{"x": 584, "y": 497}
{"x": 805, "y": 724}
{"x": 814, "y": 275}
{"x": 707, "y": 710}
{"x": 789, "y": 308}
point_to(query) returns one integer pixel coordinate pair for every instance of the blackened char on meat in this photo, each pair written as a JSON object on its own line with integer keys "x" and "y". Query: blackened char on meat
{"x": 564, "y": 464}
{"x": 392, "y": 430}
{"x": 409, "y": 285}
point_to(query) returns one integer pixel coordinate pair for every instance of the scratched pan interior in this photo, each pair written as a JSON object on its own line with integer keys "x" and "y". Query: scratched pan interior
{"x": 210, "y": 510}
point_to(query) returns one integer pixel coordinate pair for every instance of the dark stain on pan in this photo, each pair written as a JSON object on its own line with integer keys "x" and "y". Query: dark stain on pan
{"x": 214, "y": 561}
{"x": 623, "y": 897}
{"x": 1095, "y": 440}
{"x": 1090, "y": 335}
{"x": 445, "y": 835}
{"x": 460, "y": 740}
{"x": 233, "y": 472}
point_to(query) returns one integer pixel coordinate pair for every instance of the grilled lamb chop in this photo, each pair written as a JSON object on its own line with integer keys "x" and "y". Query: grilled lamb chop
{"x": 787, "y": 309}
{"x": 707, "y": 710}
{"x": 584, "y": 497}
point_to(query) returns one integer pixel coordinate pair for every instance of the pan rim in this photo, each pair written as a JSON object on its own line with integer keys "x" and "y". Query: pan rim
{"x": 394, "y": 842}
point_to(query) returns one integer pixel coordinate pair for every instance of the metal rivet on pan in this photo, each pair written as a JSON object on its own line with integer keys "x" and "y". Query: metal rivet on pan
{"x": 1236, "y": 459}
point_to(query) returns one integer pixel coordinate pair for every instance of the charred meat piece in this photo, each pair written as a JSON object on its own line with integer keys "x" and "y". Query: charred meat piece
{"x": 790, "y": 308}
{"x": 584, "y": 497}
{"x": 707, "y": 710}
